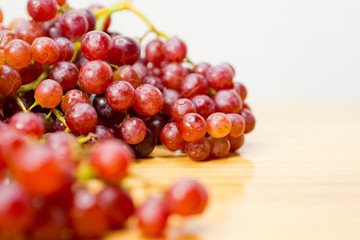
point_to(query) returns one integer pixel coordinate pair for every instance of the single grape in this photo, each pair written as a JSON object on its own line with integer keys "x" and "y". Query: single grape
{"x": 228, "y": 101}
{"x": 59, "y": 126}
{"x": 237, "y": 125}
{"x": 66, "y": 49}
{"x": 220, "y": 77}
{"x": 29, "y": 31}
{"x": 231, "y": 67}
{"x": 204, "y": 105}
{"x": 111, "y": 159}
{"x": 89, "y": 219}
{"x": 103, "y": 109}
{"x": 156, "y": 125}
{"x": 152, "y": 217}
{"x": 53, "y": 29}
{"x": 95, "y": 76}
{"x": 65, "y": 73}
{"x": 220, "y": 147}
{"x": 90, "y": 17}
{"x": 48, "y": 93}
{"x": 28, "y": 123}
{"x": 45, "y": 50}
{"x": 202, "y": 68}
{"x": 236, "y": 143}
{"x": 141, "y": 69}
{"x": 72, "y": 97}
{"x": 133, "y": 130}
{"x": 174, "y": 50}
{"x": 173, "y": 75}
{"x": 155, "y": 81}
{"x": 187, "y": 197}
{"x": 118, "y": 205}
{"x": 192, "y": 127}
{"x": 246, "y": 106}
{"x": 42, "y": 10}
{"x": 81, "y": 118}
{"x": 6, "y": 36}
{"x": 171, "y": 138}
{"x": 10, "y": 80}
{"x": 154, "y": 52}
{"x": 199, "y": 150}
{"x": 73, "y": 24}
{"x": 95, "y": 45}
{"x": 146, "y": 146}
{"x": 124, "y": 50}
{"x": 148, "y": 100}
{"x": 241, "y": 90}
{"x": 103, "y": 133}
{"x": 129, "y": 74}
{"x": 29, "y": 74}
{"x": 249, "y": 120}
{"x": 17, "y": 54}
{"x": 218, "y": 125}
{"x": 193, "y": 84}
{"x": 120, "y": 95}
{"x": 169, "y": 96}
{"x": 181, "y": 107}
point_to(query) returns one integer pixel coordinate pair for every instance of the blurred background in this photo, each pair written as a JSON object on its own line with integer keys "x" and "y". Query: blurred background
{"x": 282, "y": 50}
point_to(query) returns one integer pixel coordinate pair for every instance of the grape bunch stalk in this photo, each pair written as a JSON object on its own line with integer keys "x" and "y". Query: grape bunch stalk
{"x": 78, "y": 103}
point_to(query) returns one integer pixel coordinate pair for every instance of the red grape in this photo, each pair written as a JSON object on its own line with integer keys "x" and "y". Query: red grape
{"x": 169, "y": 96}
{"x": 29, "y": 30}
{"x": 237, "y": 125}
{"x": 53, "y": 29}
{"x": 65, "y": 73}
{"x": 17, "y": 54}
{"x": 173, "y": 75}
{"x": 61, "y": 2}
{"x": 141, "y": 69}
{"x": 236, "y": 143}
{"x": 103, "y": 133}
{"x": 45, "y": 50}
{"x": 220, "y": 147}
{"x": 199, "y": 150}
{"x": 90, "y": 17}
{"x": 81, "y": 118}
{"x": 72, "y": 97}
{"x": 204, "y": 105}
{"x": 133, "y": 130}
{"x": 193, "y": 84}
{"x": 42, "y": 10}
{"x": 95, "y": 45}
{"x": 6, "y": 36}
{"x": 155, "y": 81}
{"x": 10, "y": 80}
{"x": 218, "y": 125}
{"x": 249, "y": 120}
{"x": 202, "y": 68}
{"x": 11, "y": 140}
{"x": 73, "y": 24}
{"x": 181, "y": 107}
{"x": 231, "y": 67}
{"x": 246, "y": 106}
{"x": 174, "y": 50}
{"x": 228, "y": 101}
{"x": 29, "y": 74}
{"x": 28, "y": 123}
{"x": 48, "y": 93}
{"x": 241, "y": 90}
{"x": 66, "y": 49}
{"x": 220, "y": 77}
{"x": 154, "y": 52}
{"x": 148, "y": 100}
{"x": 120, "y": 95}
{"x": 124, "y": 50}
{"x": 95, "y": 76}
{"x": 171, "y": 138}
{"x": 192, "y": 127}
{"x": 129, "y": 74}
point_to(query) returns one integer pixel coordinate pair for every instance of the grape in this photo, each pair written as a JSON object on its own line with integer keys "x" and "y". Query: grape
{"x": 241, "y": 90}
{"x": 156, "y": 124}
{"x": 181, "y": 107}
{"x": 133, "y": 130}
{"x": 236, "y": 143}
{"x": 89, "y": 219}
{"x": 202, "y": 68}
{"x": 218, "y": 125}
{"x": 42, "y": 10}
{"x": 117, "y": 204}
{"x": 228, "y": 65}
{"x": 11, "y": 140}
{"x": 11, "y": 106}
{"x": 129, "y": 74}
{"x": 169, "y": 96}
{"x": 171, "y": 138}
{"x": 38, "y": 170}
{"x": 65, "y": 73}
{"x": 192, "y": 127}
{"x": 81, "y": 118}
{"x": 6, "y": 36}
{"x": 173, "y": 74}
{"x": 249, "y": 120}
{"x": 148, "y": 100}
{"x": 72, "y": 97}
{"x": 53, "y": 29}
{"x": 81, "y": 60}
{"x": 111, "y": 159}
{"x": 120, "y": 95}
{"x": 204, "y": 105}
{"x": 246, "y": 106}
{"x": 29, "y": 30}
{"x": 17, "y": 54}
{"x": 193, "y": 84}
{"x": 220, "y": 77}
{"x": 73, "y": 24}
{"x": 146, "y": 146}
{"x": 95, "y": 76}
{"x": 155, "y": 71}
{"x": 198, "y": 151}
{"x": 66, "y": 49}
{"x": 95, "y": 45}
{"x": 90, "y": 17}
{"x": 103, "y": 109}
{"x": 16, "y": 212}
{"x": 186, "y": 197}
{"x": 29, "y": 74}
{"x": 124, "y": 50}
{"x": 141, "y": 69}
{"x": 154, "y": 52}
{"x": 174, "y": 50}
{"x": 228, "y": 101}
{"x": 59, "y": 126}
{"x": 237, "y": 125}
{"x": 155, "y": 81}
{"x": 10, "y": 80}
{"x": 103, "y": 133}
{"x": 152, "y": 217}
{"x": 48, "y": 93}
{"x": 61, "y": 2}
{"x": 45, "y": 50}
{"x": 28, "y": 123}
{"x": 220, "y": 147}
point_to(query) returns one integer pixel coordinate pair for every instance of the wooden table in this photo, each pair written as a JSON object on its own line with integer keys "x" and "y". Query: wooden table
{"x": 297, "y": 177}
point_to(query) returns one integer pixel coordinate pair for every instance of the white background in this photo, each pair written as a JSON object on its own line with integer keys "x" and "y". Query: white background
{"x": 281, "y": 49}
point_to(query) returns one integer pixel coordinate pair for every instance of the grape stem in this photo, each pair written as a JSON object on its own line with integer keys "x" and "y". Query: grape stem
{"x": 34, "y": 84}
{"x": 84, "y": 139}
{"x": 21, "y": 104}
{"x": 32, "y": 106}
{"x": 58, "y": 114}
{"x": 77, "y": 45}
{"x": 47, "y": 117}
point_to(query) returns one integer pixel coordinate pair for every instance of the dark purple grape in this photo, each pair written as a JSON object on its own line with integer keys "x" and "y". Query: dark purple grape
{"x": 104, "y": 111}
{"x": 146, "y": 146}
{"x": 124, "y": 50}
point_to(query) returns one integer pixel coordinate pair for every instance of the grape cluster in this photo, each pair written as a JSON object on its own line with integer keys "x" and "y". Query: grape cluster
{"x": 78, "y": 101}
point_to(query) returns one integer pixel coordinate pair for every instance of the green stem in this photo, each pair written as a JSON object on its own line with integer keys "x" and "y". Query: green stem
{"x": 47, "y": 117}
{"x": 21, "y": 104}
{"x": 77, "y": 46}
{"x": 58, "y": 114}
{"x": 84, "y": 139}
{"x": 34, "y": 84}
{"x": 32, "y": 106}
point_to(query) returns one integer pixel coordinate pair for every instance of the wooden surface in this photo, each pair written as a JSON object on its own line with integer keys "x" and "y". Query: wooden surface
{"x": 297, "y": 177}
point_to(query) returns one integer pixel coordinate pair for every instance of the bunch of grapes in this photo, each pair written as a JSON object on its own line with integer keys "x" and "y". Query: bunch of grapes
{"x": 78, "y": 102}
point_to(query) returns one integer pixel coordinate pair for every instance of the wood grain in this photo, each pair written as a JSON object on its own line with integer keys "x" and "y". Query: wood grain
{"x": 297, "y": 177}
